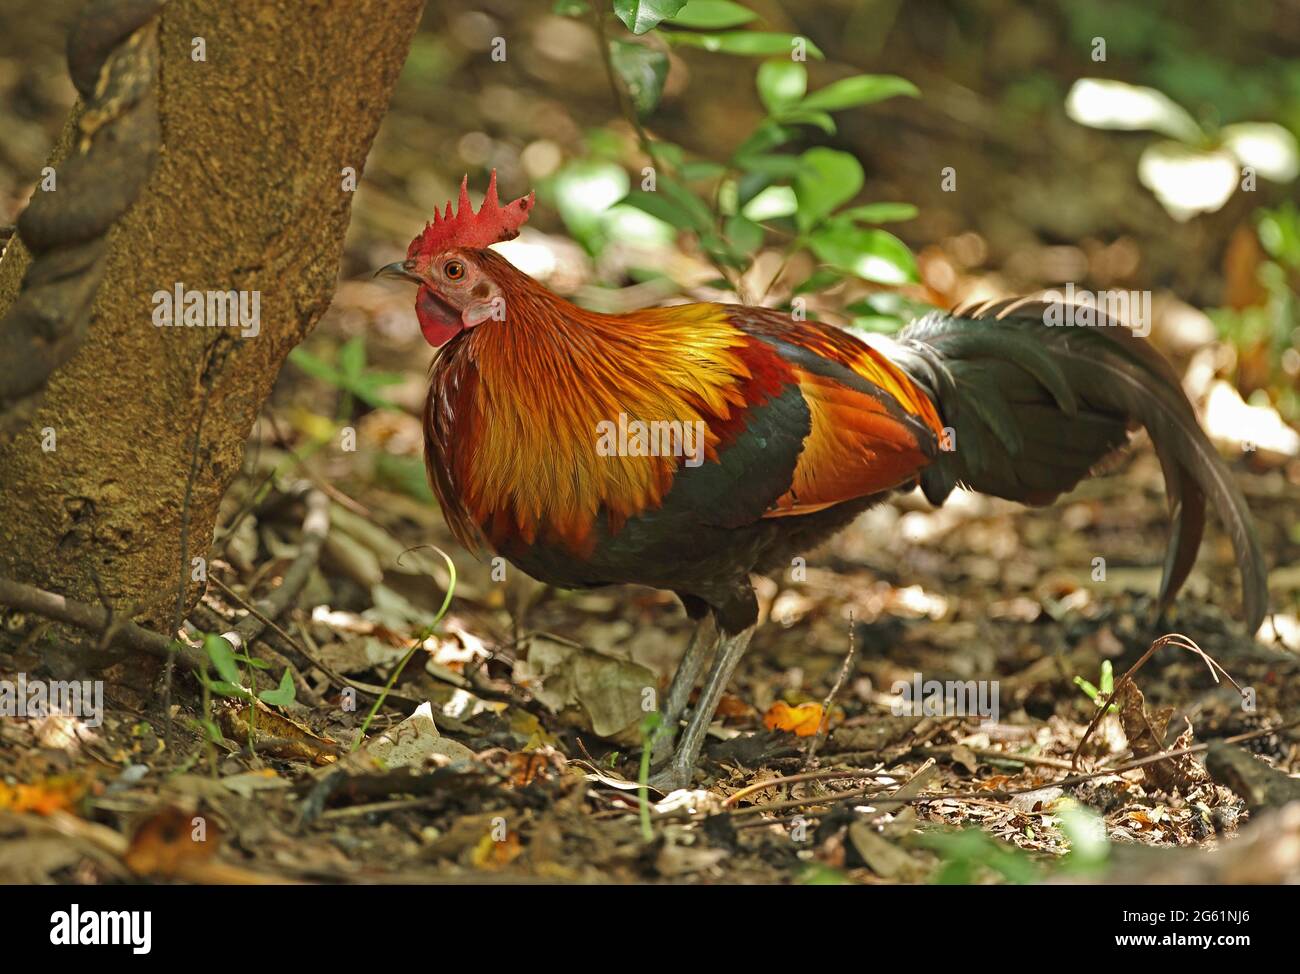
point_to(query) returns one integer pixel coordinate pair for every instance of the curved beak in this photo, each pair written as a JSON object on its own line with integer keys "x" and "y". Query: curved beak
{"x": 404, "y": 269}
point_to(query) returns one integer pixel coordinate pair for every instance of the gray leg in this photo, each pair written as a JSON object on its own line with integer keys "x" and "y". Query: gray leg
{"x": 702, "y": 642}
{"x": 682, "y": 766}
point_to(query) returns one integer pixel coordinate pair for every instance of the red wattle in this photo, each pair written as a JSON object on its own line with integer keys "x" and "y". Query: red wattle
{"x": 439, "y": 322}
{"x": 438, "y": 333}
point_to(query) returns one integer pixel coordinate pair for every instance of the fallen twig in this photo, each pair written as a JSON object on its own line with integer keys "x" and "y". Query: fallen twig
{"x": 315, "y": 528}
{"x": 826, "y": 775}
{"x": 824, "y": 725}
{"x": 28, "y": 598}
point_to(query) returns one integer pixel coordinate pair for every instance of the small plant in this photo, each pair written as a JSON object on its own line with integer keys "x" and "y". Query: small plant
{"x": 760, "y": 191}
{"x": 966, "y": 853}
{"x": 417, "y": 641}
{"x": 1085, "y": 830}
{"x": 651, "y": 728}
{"x": 231, "y": 684}
{"x": 349, "y": 374}
{"x": 1107, "y": 686}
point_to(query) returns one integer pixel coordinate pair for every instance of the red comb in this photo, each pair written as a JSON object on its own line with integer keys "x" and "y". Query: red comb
{"x": 491, "y": 224}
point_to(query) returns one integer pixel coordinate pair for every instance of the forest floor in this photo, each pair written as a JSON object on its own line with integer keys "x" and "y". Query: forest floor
{"x": 525, "y": 761}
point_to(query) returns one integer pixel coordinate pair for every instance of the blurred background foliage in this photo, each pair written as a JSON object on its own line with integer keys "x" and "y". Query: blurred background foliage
{"x": 858, "y": 159}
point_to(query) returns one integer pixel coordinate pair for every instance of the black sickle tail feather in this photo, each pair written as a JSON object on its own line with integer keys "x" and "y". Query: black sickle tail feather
{"x": 1034, "y": 408}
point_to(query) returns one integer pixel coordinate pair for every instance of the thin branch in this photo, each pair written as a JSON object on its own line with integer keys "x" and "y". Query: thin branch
{"x": 27, "y": 598}
{"x": 178, "y": 615}
{"x": 824, "y": 726}
{"x": 315, "y": 528}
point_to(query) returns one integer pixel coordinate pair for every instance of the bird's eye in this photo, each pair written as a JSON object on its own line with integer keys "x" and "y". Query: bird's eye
{"x": 454, "y": 270}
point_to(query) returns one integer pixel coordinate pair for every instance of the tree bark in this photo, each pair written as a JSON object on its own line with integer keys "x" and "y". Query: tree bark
{"x": 248, "y": 194}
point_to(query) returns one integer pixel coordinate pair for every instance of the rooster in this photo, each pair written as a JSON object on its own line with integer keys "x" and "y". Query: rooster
{"x": 801, "y": 427}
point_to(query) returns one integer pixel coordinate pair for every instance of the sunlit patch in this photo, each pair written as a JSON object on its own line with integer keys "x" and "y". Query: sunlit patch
{"x": 535, "y": 259}
{"x": 1188, "y": 181}
{"x": 62, "y": 732}
{"x": 1232, "y": 420}
{"x": 1115, "y": 105}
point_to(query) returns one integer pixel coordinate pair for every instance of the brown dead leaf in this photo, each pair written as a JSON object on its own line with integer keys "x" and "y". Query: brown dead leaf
{"x": 1146, "y": 733}
{"x": 493, "y": 854}
{"x": 171, "y": 840}
{"x": 732, "y": 706}
{"x": 527, "y": 766}
{"x": 278, "y": 735}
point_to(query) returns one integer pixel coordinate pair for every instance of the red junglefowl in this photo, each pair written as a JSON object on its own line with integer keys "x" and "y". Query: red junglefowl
{"x": 802, "y": 428}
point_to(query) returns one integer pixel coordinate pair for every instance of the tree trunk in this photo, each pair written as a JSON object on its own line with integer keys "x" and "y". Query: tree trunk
{"x": 248, "y": 194}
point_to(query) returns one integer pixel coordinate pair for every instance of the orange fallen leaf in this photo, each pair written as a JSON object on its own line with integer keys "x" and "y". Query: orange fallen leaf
{"x": 168, "y": 841}
{"x": 804, "y": 720}
{"x": 527, "y": 766}
{"x": 492, "y": 854}
{"x": 54, "y": 794}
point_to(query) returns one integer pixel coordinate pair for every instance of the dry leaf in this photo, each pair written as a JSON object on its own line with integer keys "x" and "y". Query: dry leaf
{"x": 804, "y": 720}
{"x": 55, "y": 794}
{"x": 1146, "y": 734}
{"x": 491, "y": 854}
{"x": 168, "y": 841}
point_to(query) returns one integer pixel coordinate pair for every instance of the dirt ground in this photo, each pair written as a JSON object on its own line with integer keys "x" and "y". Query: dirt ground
{"x": 516, "y": 782}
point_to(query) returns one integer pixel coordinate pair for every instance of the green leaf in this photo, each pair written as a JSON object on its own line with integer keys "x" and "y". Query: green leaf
{"x": 747, "y": 43}
{"x": 227, "y": 689}
{"x": 880, "y": 213}
{"x": 255, "y": 662}
{"x": 800, "y": 117}
{"x": 781, "y": 84}
{"x": 774, "y": 166}
{"x": 659, "y": 205}
{"x": 222, "y": 655}
{"x": 821, "y": 279}
{"x": 861, "y": 89}
{"x": 1086, "y": 832}
{"x": 765, "y": 138}
{"x": 643, "y": 70}
{"x": 696, "y": 171}
{"x": 352, "y": 357}
{"x": 827, "y": 178}
{"x": 744, "y": 234}
{"x": 772, "y": 203}
{"x": 364, "y": 386}
{"x": 712, "y": 15}
{"x": 700, "y": 214}
{"x": 281, "y": 696}
{"x": 873, "y": 255}
{"x": 722, "y": 252}
{"x": 639, "y": 16}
